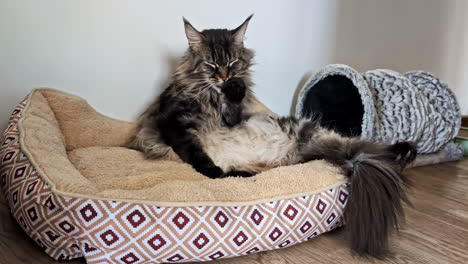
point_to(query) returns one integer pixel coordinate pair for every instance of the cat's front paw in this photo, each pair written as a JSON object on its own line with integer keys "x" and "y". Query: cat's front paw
{"x": 232, "y": 114}
{"x": 213, "y": 172}
{"x": 234, "y": 89}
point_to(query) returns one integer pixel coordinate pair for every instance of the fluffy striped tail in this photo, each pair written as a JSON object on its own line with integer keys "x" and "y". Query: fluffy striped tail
{"x": 377, "y": 188}
{"x": 375, "y": 203}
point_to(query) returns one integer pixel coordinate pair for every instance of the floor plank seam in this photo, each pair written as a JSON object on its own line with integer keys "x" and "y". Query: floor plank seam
{"x": 440, "y": 220}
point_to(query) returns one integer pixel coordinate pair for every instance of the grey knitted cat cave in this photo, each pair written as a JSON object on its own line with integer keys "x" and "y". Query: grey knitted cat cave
{"x": 382, "y": 105}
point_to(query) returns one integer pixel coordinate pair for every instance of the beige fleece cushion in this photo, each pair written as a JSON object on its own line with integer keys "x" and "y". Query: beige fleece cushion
{"x": 82, "y": 153}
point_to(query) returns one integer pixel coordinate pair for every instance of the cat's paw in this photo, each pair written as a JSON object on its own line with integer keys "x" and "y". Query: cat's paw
{"x": 232, "y": 114}
{"x": 213, "y": 172}
{"x": 234, "y": 89}
{"x": 405, "y": 152}
{"x": 237, "y": 173}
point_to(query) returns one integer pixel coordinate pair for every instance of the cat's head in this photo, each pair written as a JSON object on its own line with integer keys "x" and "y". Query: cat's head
{"x": 216, "y": 55}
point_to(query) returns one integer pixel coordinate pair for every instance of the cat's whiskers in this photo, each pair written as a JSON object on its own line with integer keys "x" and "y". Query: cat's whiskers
{"x": 198, "y": 84}
{"x": 200, "y": 90}
{"x": 216, "y": 88}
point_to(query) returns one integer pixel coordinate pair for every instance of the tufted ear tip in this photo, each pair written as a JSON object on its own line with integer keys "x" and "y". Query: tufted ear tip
{"x": 192, "y": 34}
{"x": 239, "y": 32}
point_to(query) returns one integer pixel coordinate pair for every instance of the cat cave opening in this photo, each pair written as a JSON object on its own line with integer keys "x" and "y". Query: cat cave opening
{"x": 336, "y": 102}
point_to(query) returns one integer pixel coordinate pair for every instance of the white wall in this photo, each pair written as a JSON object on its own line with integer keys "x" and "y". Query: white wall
{"x": 406, "y": 35}
{"x": 118, "y": 54}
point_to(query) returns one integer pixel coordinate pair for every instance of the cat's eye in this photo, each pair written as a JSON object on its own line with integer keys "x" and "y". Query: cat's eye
{"x": 230, "y": 64}
{"x": 212, "y": 65}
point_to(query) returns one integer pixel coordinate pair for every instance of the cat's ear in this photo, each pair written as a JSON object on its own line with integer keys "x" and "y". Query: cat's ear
{"x": 193, "y": 36}
{"x": 238, "y": 34}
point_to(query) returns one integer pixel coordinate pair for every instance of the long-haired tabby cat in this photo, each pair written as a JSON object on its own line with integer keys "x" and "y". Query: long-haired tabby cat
{"x": 208, "y": 118}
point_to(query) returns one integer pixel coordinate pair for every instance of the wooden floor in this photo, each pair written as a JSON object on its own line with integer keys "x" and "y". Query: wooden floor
{"x": 436, "y": 229}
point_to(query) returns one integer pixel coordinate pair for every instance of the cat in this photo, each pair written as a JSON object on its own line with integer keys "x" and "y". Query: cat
{"x": 210, "y": 88}
{"x": 208, "y": 118}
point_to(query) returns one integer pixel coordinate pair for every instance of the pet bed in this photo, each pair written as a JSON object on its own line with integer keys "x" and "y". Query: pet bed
{"x": 77, "y": 191}
{"x": 384, "y": 105}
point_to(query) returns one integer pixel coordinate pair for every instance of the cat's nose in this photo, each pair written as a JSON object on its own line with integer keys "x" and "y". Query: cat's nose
{"x": 223, "y": 74}
{"x": 223, "y": 78}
